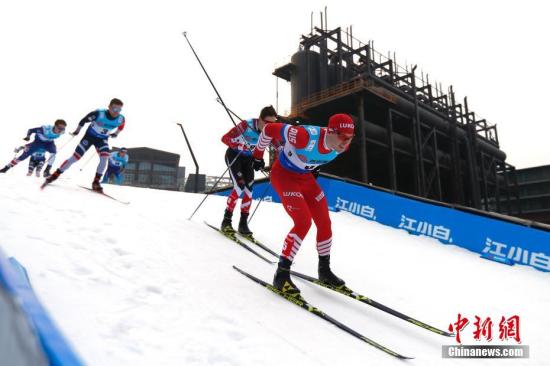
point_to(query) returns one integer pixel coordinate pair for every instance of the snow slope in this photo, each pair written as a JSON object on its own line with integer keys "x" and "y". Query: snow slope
{"x": 139, "y": 284}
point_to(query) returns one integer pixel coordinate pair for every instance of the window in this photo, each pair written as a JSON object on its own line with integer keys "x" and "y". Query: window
{"x": 128, "y": 178}
{"x": 145, "y": 166}
{"x": 165, "y": 180}
{"x": 163, "y": 168}
{"x": 143, "y": 178}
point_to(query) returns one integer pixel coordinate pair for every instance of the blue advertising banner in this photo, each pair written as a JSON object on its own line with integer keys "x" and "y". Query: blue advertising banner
{"x": 15, "y": 282}
{"x": 494, "y": 239}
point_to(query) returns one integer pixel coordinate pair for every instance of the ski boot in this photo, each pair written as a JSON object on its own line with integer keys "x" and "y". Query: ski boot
{"x": 96, "y": 186}
{"x": 47, "y": 171}
{"x": 243, "y": 225}
{"x": 51, "y": 178}
{"x": 226, "y": 226}
{"x": 325, "y": 273}
{"x": 282, "y": 280}
{"x": 29, "y": 174}
{"x": 5, "y": 169}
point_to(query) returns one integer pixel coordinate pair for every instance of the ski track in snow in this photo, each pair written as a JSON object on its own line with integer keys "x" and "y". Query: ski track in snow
{"x": 139, "y": 284}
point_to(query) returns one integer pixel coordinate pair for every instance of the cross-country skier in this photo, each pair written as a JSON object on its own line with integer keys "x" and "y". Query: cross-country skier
{"x": 37, "y": 160}
{"x": 117, "y": 163}
{"x": 43, "y": 141}
{"x": 104, "y": 123}
{"x": 304, "y": 149}
{"x": 240, "y": 141}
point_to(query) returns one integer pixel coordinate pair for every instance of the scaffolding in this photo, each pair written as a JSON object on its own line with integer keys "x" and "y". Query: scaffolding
{"x": 413, "y": 135}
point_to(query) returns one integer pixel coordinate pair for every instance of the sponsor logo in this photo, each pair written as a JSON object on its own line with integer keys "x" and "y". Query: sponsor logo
{"x": 312, "y": 131}
{"x": 310, "y": 146}
{"x": 425, "y": 228}
{"x": 291, "y": 208}
{"x": 293, "y": 194}
{"x": 356, "y": 208}
{"x": 506, "y": 252}
{"x": 346, "y": 125}
{"x": 318, "y": 162}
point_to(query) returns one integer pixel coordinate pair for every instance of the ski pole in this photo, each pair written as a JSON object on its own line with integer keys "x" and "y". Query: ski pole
{"x": 279, "y": 117}
{"x": 215, "y": 184}
{"x": 209, "y": 79}
{"x": 227, "y": 111}
{"x": 239, "y": 118}
{"x": 220, "y": 100}
{"x": 66, "y": 143}
{"x": 261, "y": 200}
{"x": 87, "y": 161}
{"x": 230, "y": 111}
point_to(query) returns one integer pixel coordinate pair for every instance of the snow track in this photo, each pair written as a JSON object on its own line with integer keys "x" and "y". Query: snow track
{"x": 139, "y": 284}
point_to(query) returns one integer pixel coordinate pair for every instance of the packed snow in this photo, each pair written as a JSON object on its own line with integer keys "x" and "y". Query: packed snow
{"x": 140, "y": 284}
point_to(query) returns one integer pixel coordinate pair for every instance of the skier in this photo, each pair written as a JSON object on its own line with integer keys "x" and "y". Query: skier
{"x": 240, "y": 141}
{"x": 304, "y": 149}
{"x": 104, "y": 123}
{"x": 37, "y": 160}
{"x": 117, "y": 163}
{"x": 43, "y": 140}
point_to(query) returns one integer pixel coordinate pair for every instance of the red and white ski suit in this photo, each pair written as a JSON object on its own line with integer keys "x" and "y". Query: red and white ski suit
{"x": 300, "y": 194}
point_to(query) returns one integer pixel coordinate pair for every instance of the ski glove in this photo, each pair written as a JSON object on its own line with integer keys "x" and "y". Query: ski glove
{"x": 27, "y": 138}
{"x": 74, "y": 133}
{"x": 258, "y": 164}
{"x": 114, "y": 135}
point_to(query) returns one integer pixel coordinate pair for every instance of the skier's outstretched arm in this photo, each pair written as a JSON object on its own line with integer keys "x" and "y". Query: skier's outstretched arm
{"x": 90, "y": 117}
{"x": 294, "y": 135}
{"x": 31, "y": 131}
{"x": 231, "y": 138}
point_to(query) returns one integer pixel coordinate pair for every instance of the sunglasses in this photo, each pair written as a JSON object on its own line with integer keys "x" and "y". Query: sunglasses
{"x": 61, "y": 129}
{"x": 116, "y": 109}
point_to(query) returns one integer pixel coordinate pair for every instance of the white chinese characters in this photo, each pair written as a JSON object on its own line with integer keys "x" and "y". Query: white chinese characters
{"x": 356, "y": 208}
{"x": 425, "y": 228}
{"x": 517, "y": 254}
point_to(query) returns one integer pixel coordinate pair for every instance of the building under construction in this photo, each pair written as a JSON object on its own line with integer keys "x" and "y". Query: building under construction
{"x": 411, "y": 136}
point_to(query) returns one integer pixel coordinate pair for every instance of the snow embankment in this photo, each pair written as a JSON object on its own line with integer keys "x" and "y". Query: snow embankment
{"x": 139, "y": 284}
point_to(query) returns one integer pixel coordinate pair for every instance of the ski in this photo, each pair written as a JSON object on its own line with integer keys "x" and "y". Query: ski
{"x": 301, "y": 302}
{"x": 354, "y": 295}
{"x": 253, "y": 240}
{"x": 233, "y": 237}
{"x": 106, "y": 195}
